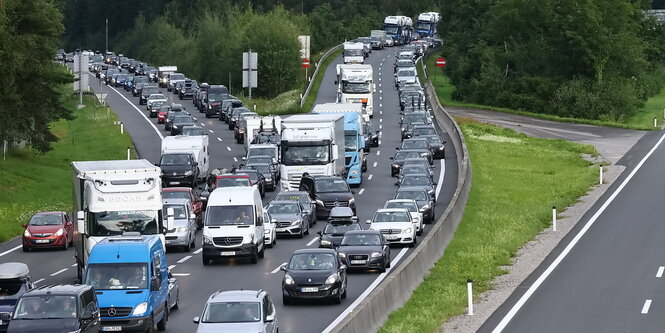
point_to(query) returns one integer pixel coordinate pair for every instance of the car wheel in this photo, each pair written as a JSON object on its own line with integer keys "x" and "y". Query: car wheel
{"x": 344, "y": 293}
{"x": 413, "y": 244}
{"x": 193, "y": 243}
{"x": 151, "y": 327}
{"x": 388, "y": 263}
{"x": 420, "y": 232}
{"x": 307, "y": 230}
{"x": 177, "y": 301}
{"x": 270, "y": 245}
{"x": 64, "y": 246}
{"x": 274, "y": 240}
{"x": 337, "y": 299}
{"x": 263, "y": 252}
{"x": 206, "y": 260}
{"x": 161, "y": 325}
{"x": 302, "y": 233}
{"x": 254, "y": 258}
{"x": 286, "y": 300}
{"x": 26, "y": 249}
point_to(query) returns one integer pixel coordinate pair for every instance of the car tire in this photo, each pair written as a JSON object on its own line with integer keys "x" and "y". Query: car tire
{"x": 206, "y": 260}
{"x": 286, "y": 300}
{"x": 192, "y": 245}
{"x": 255, "y": 257}
{"x": 302, "y": 233}
{"x": 186, "y": 248}
{"x": 344, "y": 293}
{"x": 388, "y": 263}
{"x": 161, "y": 325}
{"x": 64, "y": 246}
{"x": 420, "y": 232}
{"x": 262, "y": 253}
{"x": 274, "y": 240}
{"x": 26, "y": 249}
{"x": 414, "y": 243}
{"x": 269, "y": 245}
{"x": 307, "y": 231}
{"x": 337, "y": 299}
{"x": 151, "y": 327}
{"x": 177, "y": 302}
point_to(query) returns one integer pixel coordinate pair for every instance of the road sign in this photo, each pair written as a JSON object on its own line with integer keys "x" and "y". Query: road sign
{"x": 304, "y": 46}
{"x": 305, "y": 63}
{"x": 250, "y": 70}
{"x": 440, "y": 62}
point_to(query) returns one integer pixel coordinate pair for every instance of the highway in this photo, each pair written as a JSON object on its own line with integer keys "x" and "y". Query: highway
{"x": 197, "y": 282}
{"x": 606, "y": 275}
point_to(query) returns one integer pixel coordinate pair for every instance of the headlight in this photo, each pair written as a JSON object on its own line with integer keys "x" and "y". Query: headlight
{"x": 189, "y": 172}
{"x": 354, "y": 172}
{"x": 440, "y": 148}
{"x": 27, "y": 233}
{"x": 207, "y": 239}
{"x": 396, "y": 166}
{"x": 342, "y": 254}
{"x": 327, "y": 242}
{"x": 59, "y": 232}
{"x": 407, "y": 231}
{"x": 250, "y": 238}
{"x": 269, "y": 179}
{"x": 266, "y": 231}
{"x": 176, "y": 127}
{"x": 352, "y": 200}
{"x": 209, "y": 107}
{"x": 331, "y": 279}
{"x": 319, "y": 202}
{"x": 296, "y": 222}
{"x": 181, "y": 229}
{"x": 376, "y": 254}
{"x": 140, "y": 309}
{"x": 288, "y": 279}
{"x": 424, "y": 208}
{"x": 424, "y": 154}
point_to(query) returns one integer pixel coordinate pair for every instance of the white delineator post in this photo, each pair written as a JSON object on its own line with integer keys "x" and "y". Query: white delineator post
{"x": 129, "y": 154}
{"x": 601, "y": 175}
{"x": 122, "y": 128}
{"x": 655, "y": 122}
{"x": 553, "y": 218}
{"x": 469, "y": 290}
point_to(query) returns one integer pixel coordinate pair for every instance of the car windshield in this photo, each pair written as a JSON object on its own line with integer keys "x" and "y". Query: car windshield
{"x": 178, "y": 211}
{"x": 268, "y": 151}
{"x": 313, "y": 261}
{"x": 176, "y": 195}
{"x": 175, "y": 159}
{"x": 423, "y": 131}
{"x": 331, "y": 185}
{"x": 193, "y": 131}
{"x": 155, "y": 96}
{"x": 408, "y": 73}
{"x": 253, "y": 176}
{"x": 434, "y": 140}
{"x": 267, "y": 138}
{"x": 158, "y": 103}
{"x": 304, "y": 155}
{"x": 259, "y": 160}
{"x": 353, "y": 52}
{"x": 414, "y": 168}
{"x": 231, "y": 312}
{"x": 290, "y": 196}
{"x": 46, "y": 307}
{"x": 415, "y": 180}
{"x": 406, "y": 154}
{"x": 391, "y": 217}
{"x": 423, "y": 25}
{"x": 283, "y": 208}
{"x": 232, "y": 182}
{"x": 350, "y": 142}
{"x": 355, "y": 88}
{"x": 361, "y": 240}
{"x": 340, "y": 229}
{"x": 175, "y": 77}
{"x": 414, "y": 144}
{"x": 117, "y": 276}
{"x": 46, "y": 219}
{"x": 262, "y": 168}
{"x": 414, "y": 117}
{"x": 183, "y": 120}
{"x": 413, "y": 195}
{"x": 9, "y": 287}
{"x": 216, "y": 96}
{"x": 410, "y": 206}
{"x": 405, "y": 63}
{"x": 229, "y": 215}
{"x": 117, "y": 222}
{"x": 391, "y": 30}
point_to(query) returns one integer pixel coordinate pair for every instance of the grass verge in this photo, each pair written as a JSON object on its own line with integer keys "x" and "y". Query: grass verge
{"x": 501, "y": 215}
{"x": 309, "y": 103}
{"x": 34, "y": 182}
{"x": 642, "y": 120}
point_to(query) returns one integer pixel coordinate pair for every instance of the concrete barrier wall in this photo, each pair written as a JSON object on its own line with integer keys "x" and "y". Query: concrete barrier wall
{"x": 316, "y": 72}
{"x": 399, "y": 285}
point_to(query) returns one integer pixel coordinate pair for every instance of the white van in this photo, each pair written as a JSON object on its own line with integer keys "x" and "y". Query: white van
{"x": 233, "y": 225}
{"x": 198, "y": 146}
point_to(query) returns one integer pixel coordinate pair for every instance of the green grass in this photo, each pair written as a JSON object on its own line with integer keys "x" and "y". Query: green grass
{"x": 285, "y": 103}
{"x": 643, "y": 119}
{"x": 33, "y": 182}
{"x": 516, "y": 181}
{"x": 309, "y": 103}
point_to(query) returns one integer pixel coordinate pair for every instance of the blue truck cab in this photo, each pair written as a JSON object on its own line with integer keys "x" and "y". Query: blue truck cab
{"x": 354, "y": 147}
{"x": 130, "y": 277}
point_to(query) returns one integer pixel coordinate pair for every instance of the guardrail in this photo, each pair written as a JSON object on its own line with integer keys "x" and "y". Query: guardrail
{"x": 316, "y": 71}
{"x": 398, "y": 286}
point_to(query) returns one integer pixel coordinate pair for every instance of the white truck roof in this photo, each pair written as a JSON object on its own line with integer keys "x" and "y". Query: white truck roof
{"x": 114, "y": 167}
{"x": 338, "y": 107}
{"x": 310, "y": 118}
{"x": 353, "y": 45}
{"x": 398, "y": 20}
{"x": 183, "y": 142}
{"x": 357, "y": 68}
{"x": 231, "y": 196}
{"x": 167, "y": 68}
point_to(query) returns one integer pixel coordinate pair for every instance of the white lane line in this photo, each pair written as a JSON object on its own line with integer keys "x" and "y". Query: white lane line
{"x": 74, "y": 265}
{"x": 181, "y": 274}
{"x": 379, "y": 78}
{"x": 661, "y": 269}
{"x": 381, "y": 120}
{"x": 228, "y": 148}
{"x": 646, "y": 306}
{"x": 172, "y": 266}
{"x": 219, "y": 139}
{"x": 58, "y": 272}
{"x": 374, "y": 165}
{"x": 384, "y": 59}
{"x": 378, "y": 152}
{"x": 184, "y": 259}
{"x": 210, "y": 131}
{"x": 198, "y": 251}
{"x": 369, "y": 177}
{"x": 312, "y": 241}
{"x": 380, "y": 126}
{"x": 361, "y": 191}
{"x": 235, "y": 159}
{"x": 379, "y": 85}
{"x": 380, "y": 91}
{"x": 140, "y": 112}
{"x": 202, "y": 124}
{"x": 276, "y": 269}
{"x": 513, "y": 311}
{"x": 380, "y": 105}
{"x": 367, "y": 291}
{"x": 439, "y": 185}
{"x": 40, "y": 280}
{"x": 380, "y": 97}
{"x": 11, "y": 250}
{"x": 379, "y": 142}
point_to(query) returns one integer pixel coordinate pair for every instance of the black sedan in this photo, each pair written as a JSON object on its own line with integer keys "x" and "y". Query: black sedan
{"x": 407, "y": 133}
{"x": 420, "y": 195}
{"x": 365, "y": 249}
{"x": 419, "y": 180}
{"x": 333, "y": 233}
{"x": 437, "y": 145}
{"x": 178, "y": 169}
{"x": 399, "y": 158}
{"x": 266, "y": 171}
{"x": 371, "y": 136}
{"x": 418, "y": 144}
{"x": 181, "y": 121}
{"x": 423, "y": 130}
{"x": 315, "y": 274}
{"x": 256, "y": 178}
{"x": 309, "y": 205}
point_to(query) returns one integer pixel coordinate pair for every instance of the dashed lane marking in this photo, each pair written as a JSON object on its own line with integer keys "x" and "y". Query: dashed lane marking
{"x": 277, "y": 269}
{"x": 646, "y": 306}
{"x": 58, "y": 272}
{"x": 374, "y": 165}
{"x": 312, "y": 241}
{"x": 219, "y": 139}
{"x": 361, "y": 191}
{"x": 369, "y": 177}
{"x": 228, "y": 148}
{"x": 661, "y": 269}
{"x": 198, "y": 251}
{"x": 184, "y": 259}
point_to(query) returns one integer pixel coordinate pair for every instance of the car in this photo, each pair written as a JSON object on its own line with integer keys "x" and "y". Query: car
{"x": 129, "y": 83}
{"x": 270, "y": 234}
{"x": 239, "y": 130}
{"x": 266, "y": 171}
{"x": 192, "y": 131}
{"x": 267, "y": 137}
{"x": 377, "y": 44}
{"x": 152, "y": 98}
{"x": 396, "y": 225}
{"x": 178, "y": 169}
{"x": 226, "y": 180}
{"x": 365, "y": 249}
{"x": 423, "y": 130}
{"x": 262, "y": 159}
{"x": 288, "y": 217}
{"x": 403, "y": 63}
{"x": 183, "y": 234}
{"x": 181, "y": 121}
{"x": 371, "y": 136}
{"x": 413, "y": 98}
{"x": 162, "y": 113}
{"x": 426, "y": 204}
{"x": 177, "y": 86}
{"x": 238, "y": 311}
{"x": 413, "y": 117}
{"x": 390, "y": 41}
{"x": 265, "y": 150}
{"x": 405, "y": 75}
{"x": 308, "y": 204}
{"x": 314, "y": 274}
{"x": 57, "y": 308}
{"x": 413, "y": 168}
{"x": 155, "y": 106}
{"x": 227, "y": 107}
{"x": 398, "y": 159}
{"x": 188, "y": 194}
{"x": 137, "y": 84}
{"x": 405, "y": 55}
{"x": 256, "y": 178}
{"x": 328, "y": 192}
{"x": 421, "y": 145}
{"x": 407, "y": 133}
{"x": 367, "y": 44}
{"x": 188, "y": 89}
{"x": 420, "y": 180}
{"x": 174, "y": 111}
{"x": 173, "y": 79}
{"x": 146, "y": 92}
{"x": 119, "y": 80}
{"x": 437, "y": 145}
{"x": 412, "y": 207}
{"x": 235, "y": 115}
{"x": 48, "y": 230}
{"x": 333, "y": 232}
{"x": 15, "y": 281}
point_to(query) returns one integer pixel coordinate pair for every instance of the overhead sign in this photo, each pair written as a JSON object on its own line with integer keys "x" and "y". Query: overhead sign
{"x": 305, "y": 63}
{"x": 440, "y": 62}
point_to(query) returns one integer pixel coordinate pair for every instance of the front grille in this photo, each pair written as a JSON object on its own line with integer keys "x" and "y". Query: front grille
{"x": 283, "y": 224}
{"x": 227, "y": 241}
{"x": 358, "y": 257}
{"x": 347, "y": 159}
{"x": 391, "y": 231}
{"x": 42, "y": 235}
{"x": 336, "y": 203}
{"x": 316, "y": 294}
{"x": 171, "y": 237}
{"x": 119, "y": 312}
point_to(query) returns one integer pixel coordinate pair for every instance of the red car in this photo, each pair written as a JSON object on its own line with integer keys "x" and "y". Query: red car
{"x": 48, "y": 229}
{"x": 186, "y": 193}
{"x": 161, "y": 116}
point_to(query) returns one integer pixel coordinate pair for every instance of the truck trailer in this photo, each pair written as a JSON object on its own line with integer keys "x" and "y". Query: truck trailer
{"x": 354, "y": 53}
{"x": 355, "y": 84}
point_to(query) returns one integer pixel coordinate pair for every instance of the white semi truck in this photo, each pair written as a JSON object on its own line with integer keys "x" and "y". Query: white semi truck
{"x": 355, "y": 84}
{"x": 354, "y": 53}
{"x": 114, "y": 197}
{"x": 256, "y": 125}
{"x": 312, "y": 143}
{"x": 197, "y": 145}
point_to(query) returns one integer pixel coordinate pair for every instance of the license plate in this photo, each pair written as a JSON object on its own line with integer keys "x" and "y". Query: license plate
{"x": 175, "y": 183}
{"x": 358, "y": 262}
{"x": 310, "y": 289}
{"x": 228, "y": 253}
{"x": 392, "y": 237}
{"x": 111, "y": 328}
{"x": 41, "y": 241}
{"x": 280, "y": 229}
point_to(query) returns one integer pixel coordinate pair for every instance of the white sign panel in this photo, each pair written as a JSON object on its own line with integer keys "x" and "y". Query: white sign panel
{"x": 251, "y": 81}
{"x": 304, "y": 50}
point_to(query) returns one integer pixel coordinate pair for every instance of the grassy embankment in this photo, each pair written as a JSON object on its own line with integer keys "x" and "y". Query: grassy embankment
{"x": 642, "y": 119}
{"x": 33, "y": 182}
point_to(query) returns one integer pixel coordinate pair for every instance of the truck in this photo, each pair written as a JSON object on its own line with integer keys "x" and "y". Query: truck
{"x": 311, "y": 143}
{"x": 197, "y": 146}
{"x": 381, "y": 35}
{"x": 113, "y": 197}
{"x": 163, "y": 74}
{"x": 426, "y": 24}
{"x": 354, "y": 138}
{"x": 354, "y": 53}
{"x": 399, "y": 28}
{"x": 355, "y": 84}
{"x": 256, "y": 125}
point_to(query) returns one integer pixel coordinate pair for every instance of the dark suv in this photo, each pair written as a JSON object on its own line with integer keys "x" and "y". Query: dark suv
{"x": 328, "y": 192}
{"x": 14, "y": 282}
{"x": 178, "y": 169}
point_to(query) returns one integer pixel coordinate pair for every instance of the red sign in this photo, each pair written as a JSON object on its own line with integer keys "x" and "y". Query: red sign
{"x": 440, "y": 62}
{"x": 305, "y": 63}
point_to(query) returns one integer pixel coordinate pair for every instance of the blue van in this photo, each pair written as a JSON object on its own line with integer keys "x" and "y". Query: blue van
{"x": 130, "y": 277}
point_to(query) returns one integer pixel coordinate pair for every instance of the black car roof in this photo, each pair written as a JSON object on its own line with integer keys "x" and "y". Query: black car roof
{"x": 362, "y": 232}
{"x": 315, "y": 250}
{"x": 60, "y": 289}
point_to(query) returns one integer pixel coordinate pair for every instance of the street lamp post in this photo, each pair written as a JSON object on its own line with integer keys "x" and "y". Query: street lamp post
{"x": 107, "y": 36}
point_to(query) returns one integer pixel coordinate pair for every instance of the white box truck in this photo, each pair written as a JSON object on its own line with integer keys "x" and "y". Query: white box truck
{"x": 355, "y": 84}
{"x": 354, "y": 53}
{"x": 198, "y": 146}
{"x": 312, "y": 143}
{"x": 114, "y": 197}
{"x": 163, "y": 74}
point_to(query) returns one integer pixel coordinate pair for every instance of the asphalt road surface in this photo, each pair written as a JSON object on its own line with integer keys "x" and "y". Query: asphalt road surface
{"x": 198, "y": 282}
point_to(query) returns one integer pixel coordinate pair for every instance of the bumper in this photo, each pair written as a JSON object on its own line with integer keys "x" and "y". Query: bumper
{"x": 371, "y": 263}
{"x": 177, "y": 239}
{"x": 289, "y": 231}
{"x": 244, "y": 250}
{"x": 400, "y": 239}
{"x": 161, "y": 120}
{"x": 354, "y": 179}
{"x": 175, "y": 130}
{"x": 135, "y": 324}
{"x": 427, "y": 215}
{"x": 324, "y": 291}
{"x": 44, "y": 242}
{"x": 439, "y": 154}
{"x": 268, "y": 238}
{"x": 178, "y": 180}
{"x": 323, "y": 212}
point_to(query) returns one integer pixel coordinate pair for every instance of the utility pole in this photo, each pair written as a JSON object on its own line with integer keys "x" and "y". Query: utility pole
{"x": 80, "y": 77}
{"x": 107, "y": 36}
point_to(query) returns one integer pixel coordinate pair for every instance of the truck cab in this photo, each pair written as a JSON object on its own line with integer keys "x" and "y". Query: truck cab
{"x": 355, "y": 84}
{"x": 354, "y": 53}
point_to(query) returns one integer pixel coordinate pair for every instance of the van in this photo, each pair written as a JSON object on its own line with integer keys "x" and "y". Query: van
{"x": 130, "y": 276}
{"x": 233, "y": 225}
{"x": 15, "y": 281}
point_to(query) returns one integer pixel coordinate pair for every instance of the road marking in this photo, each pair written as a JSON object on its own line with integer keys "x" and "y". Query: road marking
{"x": 379, "y": 85}
{"x": 646, "y": 306}
{"x": 378, "y": 152}
{"x": 228, "y": 148}
{"x": 74, "y": 265}
{"x": 380, "y": 105}
{"x": 361, "y": 191}
{"x": 58, "y": 272}
{"x": 374, "y": 165}
{"x": 380, "y": 98}
{"x": 276, "y": 269}
{"x": 40, "y": 280}
{"x": 380, "y": 91}
{"x": 660, "y": 271}
{"x": 235, "y": 159}
{"x": 381, "y": 120}
{"x": 380, "y": 126}
{"x": 380, "y": 112}
{"x": 140, "y": 112}
{"x": 202, "y": 124}
{"x": 198, "y": 251}
{"x": 379, "y": 142}
{"x": 379, "y": 78}
{"x": 384, "y": 59}
{"x": 210, "y": 131}
{"x": 312, "y": 241}
{"x": 367, "y": 291}
{"x": 439, "y": 185}
{"x": 181, "y": 274}
{"x": 369, "y": 177}
{"x": 184, "y": 259}
{"x": 513, "y": 311}
{"x": 219, "y": 139}
{"x": 172, "y": 266}
{"x": 11, "y": 250}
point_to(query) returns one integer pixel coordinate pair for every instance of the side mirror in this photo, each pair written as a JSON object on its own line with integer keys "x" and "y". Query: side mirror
{"x": 244, "y": 158}
{"x": 319, "y": 233}
{"x": 25, "y": 225}
{"x": 282, "y": 267}
{"x": 80, "y": 222}
{"x": 396, "y": 147}
{"x": 87, "y": 315}
{"x": 434, "y": 183}
{"x": 353, "y": 192}
{"x": 205, "y": 195}
{"x": 336, "y": 82}
{"x": 396, "y": 183}
{"x": 195, "y": 163}
{"x": 342, "y": 267}
{"x": 270, "y": 318}
{"x": 68, "y": 224}
{"x": 368, "y": 221}
{"x": 196, "y": 320}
